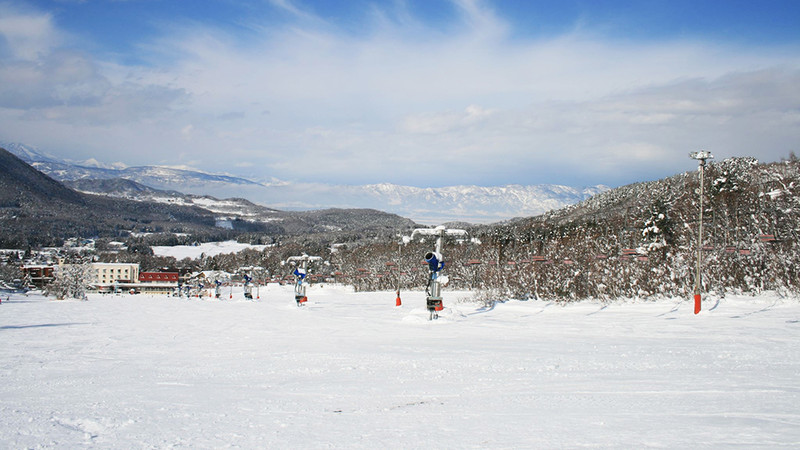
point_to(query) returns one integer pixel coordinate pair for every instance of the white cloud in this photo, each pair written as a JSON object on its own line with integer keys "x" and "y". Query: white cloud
{"x": 435, "y": 123}
{"x": 187, "y": 131}
{"x": 28, "y": 34}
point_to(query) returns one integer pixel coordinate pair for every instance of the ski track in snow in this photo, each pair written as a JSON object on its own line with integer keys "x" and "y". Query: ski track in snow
{"x": 351, "y": 370}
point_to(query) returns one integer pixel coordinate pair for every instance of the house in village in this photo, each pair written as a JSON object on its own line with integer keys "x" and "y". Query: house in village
{"x": 160, "y": 283}
{"x": 38, "y": 275}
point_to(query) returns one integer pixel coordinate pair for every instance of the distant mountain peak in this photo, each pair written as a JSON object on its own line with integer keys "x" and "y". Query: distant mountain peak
{"x": 27, "y": 153}
{"x": 91, "y": 162}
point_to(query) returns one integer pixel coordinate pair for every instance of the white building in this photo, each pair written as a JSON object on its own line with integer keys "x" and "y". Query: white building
{"x": 110, "y": 273}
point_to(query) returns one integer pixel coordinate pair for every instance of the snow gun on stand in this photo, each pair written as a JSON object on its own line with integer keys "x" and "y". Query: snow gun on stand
{"x": 248, "y": 286}
{"x": 435, "y": 261}
{"x": 300, "y": 273}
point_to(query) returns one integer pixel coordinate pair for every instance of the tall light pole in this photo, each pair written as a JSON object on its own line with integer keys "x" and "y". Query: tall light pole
{"x": 399, "y": 302}
{"x": 701, "y": 156}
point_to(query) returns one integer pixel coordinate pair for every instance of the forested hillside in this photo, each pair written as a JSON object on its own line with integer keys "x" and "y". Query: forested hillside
{"x": 36, "y": 210}
{"x": 635, "y": 241}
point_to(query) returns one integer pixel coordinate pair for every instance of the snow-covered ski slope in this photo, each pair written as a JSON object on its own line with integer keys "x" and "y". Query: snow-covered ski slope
{"x": 351, "y": 370}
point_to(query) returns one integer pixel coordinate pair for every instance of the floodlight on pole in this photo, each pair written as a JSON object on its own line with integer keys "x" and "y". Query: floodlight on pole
{"x": 700, "y": 156}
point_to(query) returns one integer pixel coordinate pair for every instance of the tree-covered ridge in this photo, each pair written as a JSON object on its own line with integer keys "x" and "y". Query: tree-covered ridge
{"x": 635, "y": 241}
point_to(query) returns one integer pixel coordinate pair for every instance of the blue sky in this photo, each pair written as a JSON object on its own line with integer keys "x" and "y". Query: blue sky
{"x": 424, "y": 93}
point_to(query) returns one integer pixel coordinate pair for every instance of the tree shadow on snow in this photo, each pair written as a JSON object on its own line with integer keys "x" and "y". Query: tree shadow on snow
{"x": 764, "y": 309}
{"x": 595, "y": 312}
{"x": 483, "y": 309}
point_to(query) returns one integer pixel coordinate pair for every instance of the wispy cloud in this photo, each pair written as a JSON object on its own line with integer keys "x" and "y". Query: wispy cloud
{"x": 27, "y": 33}
{"x": 443, "y": 122}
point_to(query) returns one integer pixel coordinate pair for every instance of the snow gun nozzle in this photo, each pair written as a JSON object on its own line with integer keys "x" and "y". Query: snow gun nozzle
{"x": 435, "y": 261}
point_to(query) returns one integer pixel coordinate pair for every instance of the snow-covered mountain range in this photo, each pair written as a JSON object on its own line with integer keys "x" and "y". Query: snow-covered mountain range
{"x": 475, "y": 204}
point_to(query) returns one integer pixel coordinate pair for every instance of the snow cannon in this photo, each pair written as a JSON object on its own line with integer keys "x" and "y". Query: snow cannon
{"x": 248, "y": 286}
{"x": 300, "y": 273}
{"x": 435, "y": 261}
{"x": 300, "y": 294}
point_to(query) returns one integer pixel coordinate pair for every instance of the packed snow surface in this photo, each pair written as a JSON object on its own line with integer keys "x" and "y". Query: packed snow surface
{"x": 351, "y": 370}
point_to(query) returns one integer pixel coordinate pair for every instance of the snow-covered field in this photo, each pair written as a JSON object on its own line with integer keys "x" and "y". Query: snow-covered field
{"x": 351, "y": 370}
{"x": 180, "y": 252}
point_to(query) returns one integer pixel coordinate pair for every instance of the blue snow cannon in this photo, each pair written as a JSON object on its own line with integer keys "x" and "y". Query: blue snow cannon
{"x": 435, "y": 261}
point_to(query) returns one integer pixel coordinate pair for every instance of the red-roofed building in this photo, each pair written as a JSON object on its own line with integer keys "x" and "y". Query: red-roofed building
{"x": 163, "y": 283}
{"x": 158, "y": 277}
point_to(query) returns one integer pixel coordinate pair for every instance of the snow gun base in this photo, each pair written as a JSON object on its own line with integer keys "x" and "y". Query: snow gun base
{"x": 434, "y": 306}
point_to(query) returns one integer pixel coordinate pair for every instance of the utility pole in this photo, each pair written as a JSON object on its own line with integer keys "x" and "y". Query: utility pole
{"x": 701, "y": 156}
